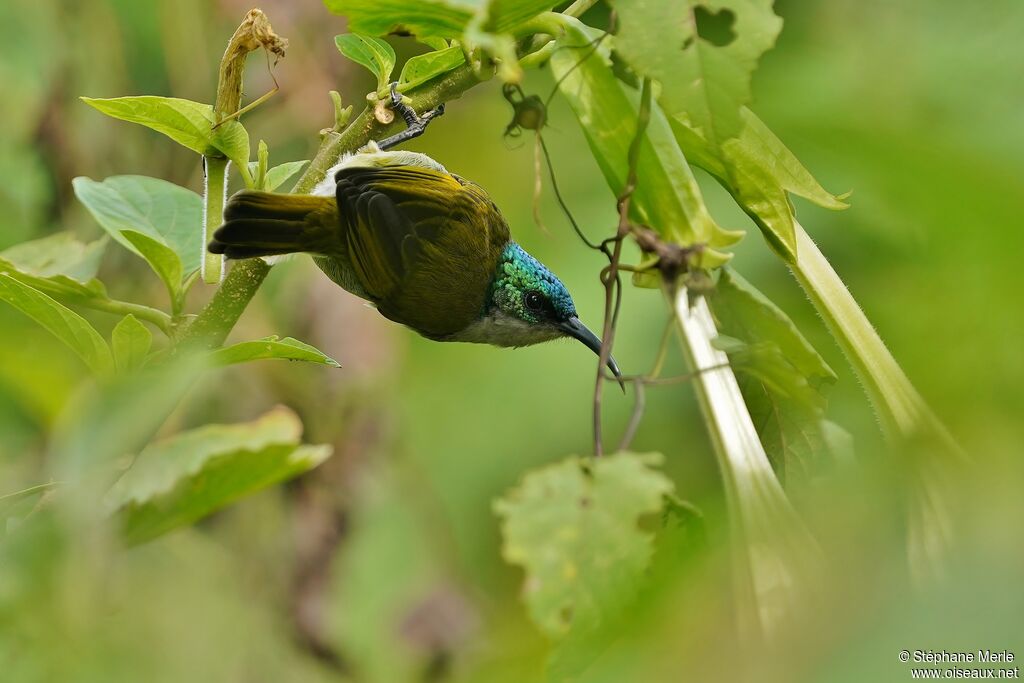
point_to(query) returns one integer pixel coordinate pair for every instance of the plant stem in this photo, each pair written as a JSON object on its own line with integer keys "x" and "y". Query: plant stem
{"x": 152, "y": 315}
{"x": 776, "y": 559}
{"x": 215, "y": 188}
{"x": 900, "y": 409}
{"x": 907, "y": 421}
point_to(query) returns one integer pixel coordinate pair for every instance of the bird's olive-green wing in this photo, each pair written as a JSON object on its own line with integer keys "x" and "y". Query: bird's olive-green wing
{"x": 423, "y": 243}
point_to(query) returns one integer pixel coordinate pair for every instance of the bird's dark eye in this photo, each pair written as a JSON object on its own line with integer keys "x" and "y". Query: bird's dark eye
{"x": 533, "y": 300}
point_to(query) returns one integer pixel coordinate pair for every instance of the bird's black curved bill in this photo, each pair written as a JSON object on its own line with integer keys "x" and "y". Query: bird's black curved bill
{"x": 577, "y": 330}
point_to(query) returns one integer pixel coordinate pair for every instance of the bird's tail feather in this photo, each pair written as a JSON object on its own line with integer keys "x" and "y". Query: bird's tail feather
{"x": 268, "y": 224}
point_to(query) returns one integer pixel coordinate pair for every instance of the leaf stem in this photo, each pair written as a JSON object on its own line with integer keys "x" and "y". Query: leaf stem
{"x": 152, "y": 315}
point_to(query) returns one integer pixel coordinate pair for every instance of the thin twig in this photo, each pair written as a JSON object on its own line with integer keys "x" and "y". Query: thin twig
{"x": 610, "y": 276}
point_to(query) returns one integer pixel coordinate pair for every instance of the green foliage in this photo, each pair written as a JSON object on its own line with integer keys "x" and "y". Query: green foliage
{"x": 177, "y": 481}
{"x": 163, "y": 211}
{"x": 278, "y": 175}
{"x": 373, "y": 53}
{"x": 421, "y": 68}
{"x": 707, "y": 81}
{"x": 130, "y": 341}
{"x": 57, "y": 254}
{"x": 382, "y": 568}
{"x": 164, "y": 261}
{"x": 574, "y": 528}
{"x": 669, "y": 198}
{"x": 759, "y": 171}
{"x": 62, "y": 322}
{"x": 434, "y": 18}
{"x": 782, "y": 378}
{"x": 58, "y": 265}
{"x": 271, "y": 347}
{"x": 188, "y": 123}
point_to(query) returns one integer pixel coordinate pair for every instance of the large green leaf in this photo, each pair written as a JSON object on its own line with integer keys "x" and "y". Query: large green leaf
{"x": 667, "y": 196}
{"x": 271, "y": 347}
{"x": 422, "y": 68}
{"x": 703, "y": 53}
{"x": 179, "y": 480}
{"x": 57, "y": 254}
{"x": 164, "y": 211}
{"x": 435, "y": 18}
{"x": 575, "y": 529}
{"x": 759, "y": 171}
{"x": 62, "y": 322}
{"x": 373, "y": 53}
{"x": 188, "y": 123}
{"x": 130, "y": 342}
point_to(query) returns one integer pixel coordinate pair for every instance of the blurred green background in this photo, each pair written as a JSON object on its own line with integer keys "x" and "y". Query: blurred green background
{"x": 384, "y": 564}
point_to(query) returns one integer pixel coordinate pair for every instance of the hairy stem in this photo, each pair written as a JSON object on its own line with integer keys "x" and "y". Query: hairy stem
{"x": 900, "y": 409}
{"x": 215, "y": 187}
{"x": 906, "y": 419}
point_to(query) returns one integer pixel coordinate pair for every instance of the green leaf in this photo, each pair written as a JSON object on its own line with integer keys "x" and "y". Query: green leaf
{"x": 703, "y": 53}
{"x": 62, "y": 322}
{"x": 373, "y": 53}
{"x": 182, "y": 479}
{"x": 434, "y": 18}
{"x": 781, "y": 376}
{"x": 574, "y": 527}
{"x": 759, "y": 171}
{"x": 280, "y": 174}
{"x": 59, "y": 286}
{"x": 667, "y": 196}
{"x": 422, "y": 68}
{"x": 161, "y": 258}
{"x": 57, "y": 254}
{"x": 747, "y": 314}
{"x": 58, "y": 265}
{"x": 130, "y": 342}
{"x": 271, "y": 347}
{"x": 188, "y": 123}
{"x": 434, "y": 43}
{"x": 164, "y": 211}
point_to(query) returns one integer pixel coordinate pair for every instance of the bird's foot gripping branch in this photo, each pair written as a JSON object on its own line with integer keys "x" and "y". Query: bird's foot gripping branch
{"x": 649, "y": 109}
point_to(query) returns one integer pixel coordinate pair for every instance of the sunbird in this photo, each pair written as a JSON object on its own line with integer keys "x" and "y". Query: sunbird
{"x": 427, "y": 248}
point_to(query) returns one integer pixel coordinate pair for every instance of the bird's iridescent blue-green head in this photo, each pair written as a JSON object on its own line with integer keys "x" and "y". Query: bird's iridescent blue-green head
{"x": 527, "y": 304}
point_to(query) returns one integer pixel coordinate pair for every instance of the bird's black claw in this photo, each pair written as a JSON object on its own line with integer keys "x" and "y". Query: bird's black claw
{"x": 415, "y": 124}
